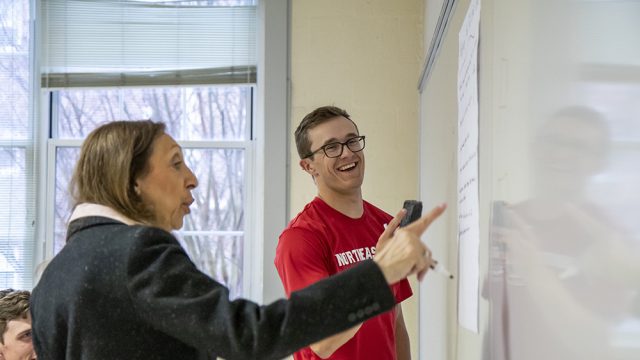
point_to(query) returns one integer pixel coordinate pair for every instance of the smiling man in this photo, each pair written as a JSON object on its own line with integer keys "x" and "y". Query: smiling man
{"x": 15, "y": 326}
{"x": 337, "y": 230}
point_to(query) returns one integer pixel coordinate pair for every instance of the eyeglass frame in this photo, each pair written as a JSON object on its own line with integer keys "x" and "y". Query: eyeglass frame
{"x": 342, "y": 145}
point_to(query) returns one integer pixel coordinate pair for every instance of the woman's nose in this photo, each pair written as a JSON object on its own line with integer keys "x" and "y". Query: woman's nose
{"x": 192, "y": 180}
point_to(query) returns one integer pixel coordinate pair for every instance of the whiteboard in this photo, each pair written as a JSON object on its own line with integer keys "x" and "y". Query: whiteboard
{"x": 559, "y": 153}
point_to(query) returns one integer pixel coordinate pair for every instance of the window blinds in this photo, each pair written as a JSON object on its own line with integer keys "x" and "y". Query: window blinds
{"x": 137, "y": 43}
{"x": 17, "y": 184}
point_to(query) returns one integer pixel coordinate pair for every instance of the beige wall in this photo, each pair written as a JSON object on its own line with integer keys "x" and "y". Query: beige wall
{"x": 364, "y": 56}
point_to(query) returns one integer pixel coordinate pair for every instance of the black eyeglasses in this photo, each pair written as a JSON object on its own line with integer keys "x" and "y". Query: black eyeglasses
{"x": 334, "y": 149}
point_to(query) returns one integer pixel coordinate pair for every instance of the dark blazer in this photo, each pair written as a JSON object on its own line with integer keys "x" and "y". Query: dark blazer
{"x": 130, "y": 292}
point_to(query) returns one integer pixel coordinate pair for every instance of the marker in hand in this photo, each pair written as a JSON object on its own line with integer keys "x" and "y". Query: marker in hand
{"x": 414, "y": 211}
{"x": 441, "y": 270}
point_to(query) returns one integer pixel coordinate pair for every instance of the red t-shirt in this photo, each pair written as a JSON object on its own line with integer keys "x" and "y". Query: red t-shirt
{"x": 319, "y": 242}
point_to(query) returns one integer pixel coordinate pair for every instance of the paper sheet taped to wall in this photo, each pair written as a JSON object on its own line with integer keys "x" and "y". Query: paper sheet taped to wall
{"x": 468, "y": 208}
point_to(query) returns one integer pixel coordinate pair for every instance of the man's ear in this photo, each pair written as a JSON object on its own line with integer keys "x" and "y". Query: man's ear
{"x": 307, "y": 165}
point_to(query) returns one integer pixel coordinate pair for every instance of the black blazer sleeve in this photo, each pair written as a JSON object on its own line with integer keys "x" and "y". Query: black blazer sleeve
{"x": 174, "y": 297}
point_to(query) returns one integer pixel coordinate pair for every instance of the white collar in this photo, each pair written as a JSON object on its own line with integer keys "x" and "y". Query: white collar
{"x": 90, "y": 209}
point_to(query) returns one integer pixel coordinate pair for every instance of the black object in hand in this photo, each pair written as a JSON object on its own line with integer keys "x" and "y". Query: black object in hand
{"x": 414, "y": 211}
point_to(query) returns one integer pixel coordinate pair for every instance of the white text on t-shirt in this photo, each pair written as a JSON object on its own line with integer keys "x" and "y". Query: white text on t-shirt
{"x": 355, "y": 255}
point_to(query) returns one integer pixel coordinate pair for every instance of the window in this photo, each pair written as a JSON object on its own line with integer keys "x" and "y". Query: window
{"x": 212, "y": 124}
{"x": 17, "y": 170}
{"x": 191, "y": 64}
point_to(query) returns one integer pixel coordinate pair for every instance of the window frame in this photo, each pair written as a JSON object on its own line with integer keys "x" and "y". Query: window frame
{"x": 266, "y": 160}
{"x": 29, "y": 147}
{"x": 53, "y": 144}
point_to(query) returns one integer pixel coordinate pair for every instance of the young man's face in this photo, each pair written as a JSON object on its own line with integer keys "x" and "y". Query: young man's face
{"x": 17, "y": 341}
{"x": 340, "y": 175}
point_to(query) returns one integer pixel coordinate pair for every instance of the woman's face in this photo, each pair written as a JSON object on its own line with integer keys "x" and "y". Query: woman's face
{"x": 166, "y": 188}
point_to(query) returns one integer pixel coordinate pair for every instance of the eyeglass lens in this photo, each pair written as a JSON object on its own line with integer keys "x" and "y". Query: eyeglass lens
{"x": 335, "y": 149}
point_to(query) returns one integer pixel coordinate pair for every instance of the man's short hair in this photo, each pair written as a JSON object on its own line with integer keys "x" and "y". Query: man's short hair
{"x": 313, "y": 119}
{"x": 14, "y": 304}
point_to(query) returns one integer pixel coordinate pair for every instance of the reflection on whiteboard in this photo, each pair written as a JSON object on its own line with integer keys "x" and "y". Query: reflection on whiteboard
{"x": 468, "y": 208}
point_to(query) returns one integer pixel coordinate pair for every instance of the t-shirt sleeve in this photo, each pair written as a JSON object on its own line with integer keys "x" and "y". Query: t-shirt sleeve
{"x": 402, "y": 290}
{"x": 300, "y": 259}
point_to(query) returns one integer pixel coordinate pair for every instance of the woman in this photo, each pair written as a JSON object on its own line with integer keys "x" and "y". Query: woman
{"x": 123, "y": 288}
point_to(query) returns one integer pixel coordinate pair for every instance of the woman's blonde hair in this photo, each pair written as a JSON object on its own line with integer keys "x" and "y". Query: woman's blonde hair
{"x": 112, "y": 157}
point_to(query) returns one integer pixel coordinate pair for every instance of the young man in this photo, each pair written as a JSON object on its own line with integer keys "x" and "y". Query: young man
{"x": 335, "y": 231}
{"x": 15, "y": 326}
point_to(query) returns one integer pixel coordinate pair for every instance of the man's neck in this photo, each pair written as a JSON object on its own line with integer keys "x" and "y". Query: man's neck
{"x": 350, "y": 205}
